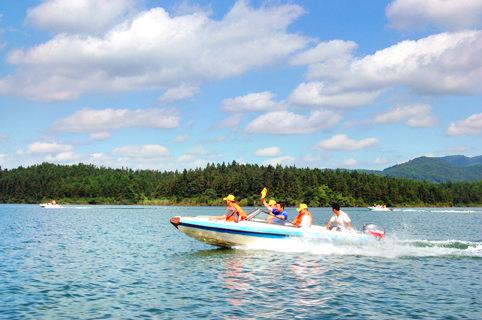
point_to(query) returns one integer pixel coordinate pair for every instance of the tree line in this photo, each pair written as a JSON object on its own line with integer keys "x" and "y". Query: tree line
{"x": 83, "y": 183}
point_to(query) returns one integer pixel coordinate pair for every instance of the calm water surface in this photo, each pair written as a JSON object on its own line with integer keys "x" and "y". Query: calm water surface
{"x": 129, "y": 262}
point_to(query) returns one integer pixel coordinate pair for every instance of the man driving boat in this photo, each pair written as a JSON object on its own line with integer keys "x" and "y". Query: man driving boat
{"x": 343, "y": 221}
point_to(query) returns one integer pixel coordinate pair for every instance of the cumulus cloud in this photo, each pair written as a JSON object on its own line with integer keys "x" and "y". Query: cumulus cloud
{"x": 153, "y": 50}
{"x": 285, "y": 122}
{"x": 95, "y": 121}
{"x": 350, "y": 162}
{"x": 48, "y": 147}
{"x": 284, "y": 161}
{"x": 144, "y": 151}
{"x": 62, "y": 157}
{"x": 321, "y": 95}
{"x": 90, "y": 16}
{"x": 342, "y": 142}
{"x": 102, "y": 135}
{"x": 181, "y": 138}
{"x": 268, "y": 152}
{"x": 455, "y": 14}
{"x": 444, "y": 63}
{"x": 327, "y": 50}
{"x": 417, "y": 115}
{"x": 380, "y": 160}
{"x": 252, "y": 102}
{"x": 182, "y": 92}
{"x": 471, "y": 125}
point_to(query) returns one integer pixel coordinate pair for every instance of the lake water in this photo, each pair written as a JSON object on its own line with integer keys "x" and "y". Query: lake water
{"x": 129, "y": 262}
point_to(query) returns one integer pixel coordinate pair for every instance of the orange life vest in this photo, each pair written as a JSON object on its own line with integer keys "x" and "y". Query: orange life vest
{"x": 299, "y": 217}
{"x": 236, "y": 210}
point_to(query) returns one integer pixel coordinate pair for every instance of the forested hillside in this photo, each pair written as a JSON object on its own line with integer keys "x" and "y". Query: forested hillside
{"x": 89, "y": 184}
{"x": 439, "y": 169}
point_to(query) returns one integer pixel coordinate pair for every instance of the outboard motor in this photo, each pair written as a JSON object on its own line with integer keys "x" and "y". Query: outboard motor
{"x": 376, "y": 231}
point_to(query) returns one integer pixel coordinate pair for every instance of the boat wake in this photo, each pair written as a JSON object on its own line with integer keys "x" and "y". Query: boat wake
{"x": 384, "y": 249}
{"x": 439, "y": 210}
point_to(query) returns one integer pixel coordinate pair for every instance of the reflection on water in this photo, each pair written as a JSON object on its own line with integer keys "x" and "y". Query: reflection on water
{"x": 131, "y": 263}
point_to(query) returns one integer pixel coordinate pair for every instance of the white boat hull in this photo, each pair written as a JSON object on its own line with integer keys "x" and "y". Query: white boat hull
{"x": 231, "y": 234}
{"x": 50, "y": 206}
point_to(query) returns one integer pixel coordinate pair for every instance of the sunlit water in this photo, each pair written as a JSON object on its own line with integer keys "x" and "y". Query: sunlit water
{"x": 127, "y": 262}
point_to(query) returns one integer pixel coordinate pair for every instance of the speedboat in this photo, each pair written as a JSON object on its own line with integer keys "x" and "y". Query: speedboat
{"x": 223, "y": 233}
{"x": 379, "y": 208}
{"x": 51, "y": 206}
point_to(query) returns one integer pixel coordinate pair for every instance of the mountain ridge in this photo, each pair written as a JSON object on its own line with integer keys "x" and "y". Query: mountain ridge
{"x": 454, "y": 168}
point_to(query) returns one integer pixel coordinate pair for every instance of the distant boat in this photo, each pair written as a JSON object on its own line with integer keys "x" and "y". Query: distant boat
{"x": 380, "y": 208}
{"x": 51, "y": 205}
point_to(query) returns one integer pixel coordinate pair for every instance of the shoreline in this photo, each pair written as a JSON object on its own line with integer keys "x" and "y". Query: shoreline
{"x": 220, "y": 206}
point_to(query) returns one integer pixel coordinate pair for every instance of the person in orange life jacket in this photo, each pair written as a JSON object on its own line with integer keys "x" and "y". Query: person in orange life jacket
{"x": 304, "y": 217}
{"x": 233, "y": 211}
{"x": 278, "y": 210}
{"x": 343, "y": 221}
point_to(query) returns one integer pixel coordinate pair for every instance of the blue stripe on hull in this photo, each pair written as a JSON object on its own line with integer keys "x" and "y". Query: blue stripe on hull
{"x": 244, "y": 233}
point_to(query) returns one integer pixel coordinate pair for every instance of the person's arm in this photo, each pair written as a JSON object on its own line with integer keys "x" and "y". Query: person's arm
{"x": 330, "y": 222}
{"x": 263, "y": 200}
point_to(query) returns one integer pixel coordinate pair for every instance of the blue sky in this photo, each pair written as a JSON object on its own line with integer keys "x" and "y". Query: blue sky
{"x": 177, "y": 84}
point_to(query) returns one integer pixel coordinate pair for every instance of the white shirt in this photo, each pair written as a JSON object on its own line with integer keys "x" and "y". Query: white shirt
{"x": 305, "y": 221}
{"x": 341, "y": 221}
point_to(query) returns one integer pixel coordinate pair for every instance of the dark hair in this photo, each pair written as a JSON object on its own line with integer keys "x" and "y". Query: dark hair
{"x": 281, "y": 204}
{"x": 335, "y": 206}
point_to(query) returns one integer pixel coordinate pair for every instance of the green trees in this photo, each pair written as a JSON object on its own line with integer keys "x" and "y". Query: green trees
{"x": 206, "y": 186}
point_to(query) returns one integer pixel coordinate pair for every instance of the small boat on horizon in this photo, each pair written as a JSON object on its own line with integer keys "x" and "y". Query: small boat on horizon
{"x": 51, "y": 205}
{"x": 254, "y": 230}
{"x": 379, "y": 207}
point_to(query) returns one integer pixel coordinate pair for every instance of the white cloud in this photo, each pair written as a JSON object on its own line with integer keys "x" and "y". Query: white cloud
{"x": 268, "y": 152}
{"x": 342, "y": 142}
{"x": 62, "y": 157}
{"x": 48, "y": 147}
{"x": 90, "y": 120}
{"x": 444, "y": 63}
{"x": 321, "y": 95}
{"x": 380, "y": 160}
{"x": 102, "y": 135}
{"x": 144, "y": 151}
{"x": 181, "y": 138}
{"x": 90, "y": 16}
{"x": 285, "y": 122}
{"x": 154, "y": 50}
{"x": 182, "y": 92}
{"x": 3, "y": 137}
{"x": 471, "y": 125}
{"x": 455, "y": 14}
{"x": 3, "y": 157}
{"x": 231, "y": 121}
{"x": 284, "y": 161}
{"x": 350, "y": 162}
{"x": 417, "y": 115}
{"x": 253, "y": 102}
{"x": 327, "y": 50}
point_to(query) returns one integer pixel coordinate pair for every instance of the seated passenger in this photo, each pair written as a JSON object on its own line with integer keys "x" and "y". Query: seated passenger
{"x": 304, "y": 217}
{"x": 233, "y": 212}
{"x": 343, "y": 221}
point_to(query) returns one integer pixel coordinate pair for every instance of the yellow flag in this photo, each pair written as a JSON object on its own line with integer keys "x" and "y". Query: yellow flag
{"x": 264, "y": 192}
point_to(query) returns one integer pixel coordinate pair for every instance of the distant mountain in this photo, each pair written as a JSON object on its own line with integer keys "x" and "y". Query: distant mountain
{"x": 441, "y": 169}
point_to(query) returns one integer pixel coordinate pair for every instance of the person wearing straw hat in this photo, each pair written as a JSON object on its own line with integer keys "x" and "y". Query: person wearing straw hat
{"x": 234, "y": 212}
{"x": 304, "y": 218}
